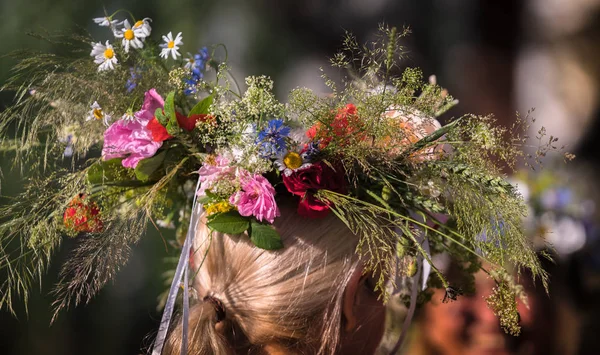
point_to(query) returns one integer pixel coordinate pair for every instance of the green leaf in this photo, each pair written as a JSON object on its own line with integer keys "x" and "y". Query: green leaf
{"x": 202, "y": 106}
{"x": 229, "y": 223}
{"x": 433, "y": 136}
{"x": 265, "y": 236}
{"x": 147, "y": 167}
{"x": 160, "y": 116}
{"x": 172, "y": 125}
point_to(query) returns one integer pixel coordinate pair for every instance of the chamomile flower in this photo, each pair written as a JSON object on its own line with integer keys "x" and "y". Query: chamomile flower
{"x": 142, "y": 27}
{"x": 171, "y": 46}
{"x": 104, "y": 54}
{"x": 96, "y": 113}
{"x": 130, "y": 37}
{"x": 107, "y": 22}
{"x": 290, "y": 161}
{"x": 129, "y": 116}
{"x": 190, "y": 62}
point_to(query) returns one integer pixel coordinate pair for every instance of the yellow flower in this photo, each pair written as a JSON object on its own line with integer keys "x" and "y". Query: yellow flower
{"x": 219, "y": 207}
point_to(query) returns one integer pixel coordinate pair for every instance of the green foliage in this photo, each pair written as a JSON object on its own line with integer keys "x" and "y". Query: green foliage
{"x": 202, "y": 107}
{"x": 228, "y": 223}
{"x": 264, "y": 236}
{"x": 146, "y": 168}
{"x": 378, "y": 125}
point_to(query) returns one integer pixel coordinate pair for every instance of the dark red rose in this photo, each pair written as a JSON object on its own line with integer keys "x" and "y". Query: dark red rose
{"x": 159, "y": 132}
{"x": 82, "y": 215}
{"x": 306, "y": 182}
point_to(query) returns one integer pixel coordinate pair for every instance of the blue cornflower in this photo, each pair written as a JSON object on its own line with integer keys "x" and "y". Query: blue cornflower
{"x": 311, "y": 151}
{"x": 132, "y": 81}
{"x": 272, "y": 138}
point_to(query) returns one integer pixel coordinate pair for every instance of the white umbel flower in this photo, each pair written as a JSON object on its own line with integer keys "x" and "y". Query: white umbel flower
{"x": 107, "y": 22}
{"x": 130, "y": 37}
{"x": 104, "y": 54}
{"x": 171, "y": 46}
{"x": 142, "y": 28}
{"x": 96, "y": 113}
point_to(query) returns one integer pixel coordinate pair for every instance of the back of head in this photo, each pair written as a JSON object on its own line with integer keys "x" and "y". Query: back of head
{"x": 288, "y": 299}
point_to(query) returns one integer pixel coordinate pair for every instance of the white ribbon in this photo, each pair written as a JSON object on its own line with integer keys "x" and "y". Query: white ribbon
{"x": 182, "y": 270}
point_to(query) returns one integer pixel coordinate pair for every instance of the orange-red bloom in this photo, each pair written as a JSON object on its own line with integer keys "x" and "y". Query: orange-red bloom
{"x": 82, "y": 215}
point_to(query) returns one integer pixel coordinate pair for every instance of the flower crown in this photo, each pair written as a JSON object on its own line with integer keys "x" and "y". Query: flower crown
{"x": 371, "y": 152}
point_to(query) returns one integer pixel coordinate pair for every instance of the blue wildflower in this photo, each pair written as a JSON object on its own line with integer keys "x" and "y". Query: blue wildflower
{"x": 196, "y": 64}
{"x": 311, "y": 151}
{"x": 272, "y": 138}
{"x": 132, "y": 81}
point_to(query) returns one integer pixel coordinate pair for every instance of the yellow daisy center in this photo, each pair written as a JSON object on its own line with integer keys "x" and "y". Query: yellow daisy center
{"x": 138, "y": 24}
{"x": 109, "y": 53}
{"x": 171, "y": 44}
{"x": 292, "y": 160}
{"x": 98, "y": 113}
{"x": 129, "y": 35}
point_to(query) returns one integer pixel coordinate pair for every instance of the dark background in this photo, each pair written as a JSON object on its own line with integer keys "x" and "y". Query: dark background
{"x": 495, "y": 56}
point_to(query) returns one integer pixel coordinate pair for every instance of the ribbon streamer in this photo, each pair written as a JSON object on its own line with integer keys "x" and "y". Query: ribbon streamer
{"x": 182, "y": 270}
{"x": 411, "y": 309}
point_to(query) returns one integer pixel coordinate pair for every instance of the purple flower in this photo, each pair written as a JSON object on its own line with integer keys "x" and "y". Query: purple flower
{"x": 257, "y": 197}
{"x": 131, "y": 139}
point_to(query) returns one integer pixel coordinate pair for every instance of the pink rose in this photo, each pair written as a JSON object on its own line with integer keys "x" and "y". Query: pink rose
{"x": 257, "y": 198}
{"x": 213, "y": 171}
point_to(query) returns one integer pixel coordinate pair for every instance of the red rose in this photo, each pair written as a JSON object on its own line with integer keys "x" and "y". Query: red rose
{"x": 159, "y": 132}
{"x": 82, "y": 215}
{"x": 305, "y": 182}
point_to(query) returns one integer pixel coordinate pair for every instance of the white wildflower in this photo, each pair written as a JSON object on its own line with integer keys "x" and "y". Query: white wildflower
{"x": 171, "y": 46}
{"x": 104, "y": 55}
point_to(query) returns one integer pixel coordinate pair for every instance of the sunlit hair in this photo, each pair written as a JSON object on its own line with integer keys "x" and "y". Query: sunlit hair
{"x": 290, "y": 299}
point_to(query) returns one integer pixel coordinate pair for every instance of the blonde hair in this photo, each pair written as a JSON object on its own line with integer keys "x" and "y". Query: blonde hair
{"x": 289, "y": 298}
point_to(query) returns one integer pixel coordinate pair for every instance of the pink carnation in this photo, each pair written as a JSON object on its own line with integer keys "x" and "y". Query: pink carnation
{"x": 132, "y": 139}
{"x": 211, "y": 173}
{"x": 257, "y": 198}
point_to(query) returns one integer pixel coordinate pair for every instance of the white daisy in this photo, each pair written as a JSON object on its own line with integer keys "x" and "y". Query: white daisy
{"x": 289, "y": 161}
{"x": 171, "y": 46}
{"x": 107, "y": 22}
{"x": 142, "y": 27}
{"x": 129, "y": 116}
{"x": 130, "y": 37}
{"x": 104, "y": 55}
{"x": 96, "y": 113}
{"x": 190, "y": 61}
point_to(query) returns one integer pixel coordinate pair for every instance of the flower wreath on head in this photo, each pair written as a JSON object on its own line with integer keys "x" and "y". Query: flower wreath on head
{"x": 178, "y": 133}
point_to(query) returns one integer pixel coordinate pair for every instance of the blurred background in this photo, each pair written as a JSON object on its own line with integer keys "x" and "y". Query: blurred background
{"x": 494, "y": 56}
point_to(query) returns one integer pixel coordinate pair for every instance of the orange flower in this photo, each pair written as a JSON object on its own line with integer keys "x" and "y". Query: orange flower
{"x": 345, "y": 126}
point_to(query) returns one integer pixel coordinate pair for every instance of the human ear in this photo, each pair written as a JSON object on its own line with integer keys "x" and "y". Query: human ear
{"x": 348, "y": 312}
